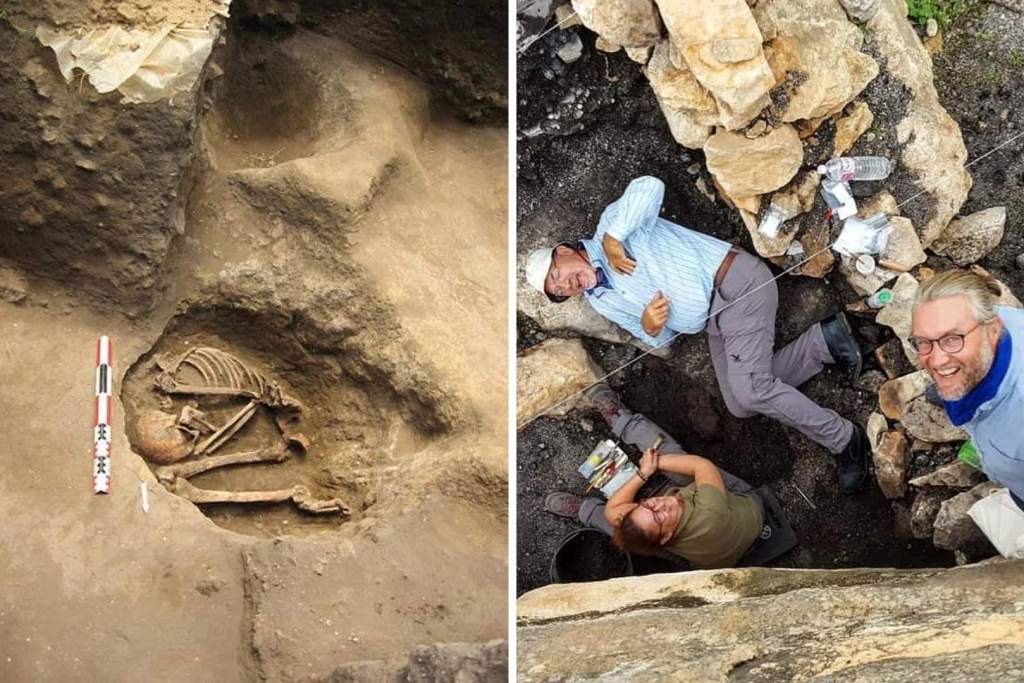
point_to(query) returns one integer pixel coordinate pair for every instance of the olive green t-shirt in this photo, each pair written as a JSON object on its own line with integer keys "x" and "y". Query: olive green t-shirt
{"x": 716, "y": 528}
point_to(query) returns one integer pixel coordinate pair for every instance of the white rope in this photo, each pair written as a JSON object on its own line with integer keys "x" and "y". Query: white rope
{"x": 527, "y": 46}
{"x": 966, "y": 166}
{"x": 736, "y": 301}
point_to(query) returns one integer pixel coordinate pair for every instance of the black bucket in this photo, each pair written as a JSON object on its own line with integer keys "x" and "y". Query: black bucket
{"x": 589, "y": 555}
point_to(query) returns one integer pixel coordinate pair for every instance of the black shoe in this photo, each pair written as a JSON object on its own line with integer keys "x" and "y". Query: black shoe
{"x": 841, "y": 342}
{"x": 853, "y": 462}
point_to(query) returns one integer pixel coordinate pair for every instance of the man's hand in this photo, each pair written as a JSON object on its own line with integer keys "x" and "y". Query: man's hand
{"x": 655, "y": 315}
{"x": 649, "y": 463}
{"x": 616, "y": 255}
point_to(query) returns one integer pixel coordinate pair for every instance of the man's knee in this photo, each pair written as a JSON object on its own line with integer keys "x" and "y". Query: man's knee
{"x": 736, "y": 408}
{"x": 752, "y": 393}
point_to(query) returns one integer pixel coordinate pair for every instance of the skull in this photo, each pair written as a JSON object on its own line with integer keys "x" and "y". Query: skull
{"x": 160, "y": 438}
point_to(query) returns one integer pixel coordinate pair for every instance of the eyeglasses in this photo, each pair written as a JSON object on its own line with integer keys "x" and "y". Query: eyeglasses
{"x": 950, "y": 343}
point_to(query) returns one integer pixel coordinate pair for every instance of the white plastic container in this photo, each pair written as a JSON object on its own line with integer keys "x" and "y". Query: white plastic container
{"x": 772, "y": 221}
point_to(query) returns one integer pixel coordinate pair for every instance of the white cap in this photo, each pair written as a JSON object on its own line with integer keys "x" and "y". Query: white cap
{"x": 537, "y": 266}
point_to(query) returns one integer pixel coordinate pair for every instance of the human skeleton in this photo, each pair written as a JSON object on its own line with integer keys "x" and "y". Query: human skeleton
{"x": 169, "y": 441}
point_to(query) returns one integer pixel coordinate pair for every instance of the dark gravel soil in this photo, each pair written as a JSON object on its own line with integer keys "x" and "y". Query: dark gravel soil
{"x": 586, "y": 129}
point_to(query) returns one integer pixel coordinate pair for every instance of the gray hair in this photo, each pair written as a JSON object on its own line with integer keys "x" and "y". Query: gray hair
{"x": 981, "y": 292}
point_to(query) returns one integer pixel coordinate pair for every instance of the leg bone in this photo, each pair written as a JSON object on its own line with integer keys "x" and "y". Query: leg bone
{"x": 187, "y": 470}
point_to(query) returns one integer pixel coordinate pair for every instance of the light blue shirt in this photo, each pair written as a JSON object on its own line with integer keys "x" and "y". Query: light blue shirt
{"x": 679, "y": 262}
{"x": 997, "y": 428}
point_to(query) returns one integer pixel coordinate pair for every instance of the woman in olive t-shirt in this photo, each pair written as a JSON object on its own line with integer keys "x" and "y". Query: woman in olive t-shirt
{"x": 702, "y": 523}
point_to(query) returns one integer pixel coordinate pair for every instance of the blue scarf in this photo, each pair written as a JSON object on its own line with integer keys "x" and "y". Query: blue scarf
{"x": 962, "y": 411}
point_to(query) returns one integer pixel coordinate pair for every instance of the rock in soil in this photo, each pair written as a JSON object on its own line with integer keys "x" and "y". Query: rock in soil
{"x": 955, "y": 530}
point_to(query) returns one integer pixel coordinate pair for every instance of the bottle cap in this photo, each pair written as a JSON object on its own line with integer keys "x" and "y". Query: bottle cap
{"x": 821, "y": 170}
{"x": 884, "y": 296}
{"x": 864, "y": 264}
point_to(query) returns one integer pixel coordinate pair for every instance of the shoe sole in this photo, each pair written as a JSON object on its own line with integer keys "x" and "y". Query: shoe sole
{"x": 549, "y": 507}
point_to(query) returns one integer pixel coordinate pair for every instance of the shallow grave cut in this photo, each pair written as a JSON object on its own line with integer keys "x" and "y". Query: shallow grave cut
{"x": 267, "y": 436}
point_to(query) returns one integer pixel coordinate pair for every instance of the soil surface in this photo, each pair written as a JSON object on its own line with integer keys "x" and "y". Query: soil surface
{"x": 329, "y": 189}
{"x": 585, "y": 129}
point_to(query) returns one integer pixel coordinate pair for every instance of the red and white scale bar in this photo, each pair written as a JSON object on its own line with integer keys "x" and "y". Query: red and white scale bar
{"x": 101, "y": 433}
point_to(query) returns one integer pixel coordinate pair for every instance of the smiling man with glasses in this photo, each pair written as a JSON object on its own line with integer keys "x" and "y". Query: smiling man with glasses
{"x": 974, "y": 351}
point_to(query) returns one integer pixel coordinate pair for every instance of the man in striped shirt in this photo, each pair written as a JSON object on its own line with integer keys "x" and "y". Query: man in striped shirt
{"x": 657, "y": 279}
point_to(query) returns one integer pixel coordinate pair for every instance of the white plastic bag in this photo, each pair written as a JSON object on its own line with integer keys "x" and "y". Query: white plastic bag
{"x": 1002, "y": 521}
{"x": 859, "y": 236}
{"x": 143, "y": 65}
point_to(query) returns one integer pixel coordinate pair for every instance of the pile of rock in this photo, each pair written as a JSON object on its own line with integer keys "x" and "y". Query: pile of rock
{"x": 750, "y": 82}
{"x": 908, "y": 423}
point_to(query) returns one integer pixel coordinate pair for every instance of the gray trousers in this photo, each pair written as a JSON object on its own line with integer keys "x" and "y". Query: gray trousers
{"x": 754, "y": 379}
{"x": 640, "y": 431}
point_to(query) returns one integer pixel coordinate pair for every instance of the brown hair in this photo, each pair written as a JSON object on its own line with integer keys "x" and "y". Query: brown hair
{"x": 630, "y": 536}
{"x": 980, "y": 291}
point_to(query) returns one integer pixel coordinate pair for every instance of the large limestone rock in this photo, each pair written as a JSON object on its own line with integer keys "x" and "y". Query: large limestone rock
{"x": 815, "y": 57}
{"x": 895, "y": 395}
{"x": 928, "y": 422}
{"x": 968, "y": 239}
{"x": 1006, "y": 296}
{"x": 933, "y": 148}
{"x": 689, "y": 108}
{"x": 889, "y": 452}
{"x": 794, "y": 199}
{"x": 746, "y": 168}
{"x": 850, "y": 127}
{"x": 574, "y": 316}
{"x": 721, "y": 44}
{"x": 903, "y": 251}
{"x": 630, "y": 23}
{"x": 778, "y": 625}
{"x": 550, "y": 377}
{"x": 954, "y": 475}
{"x": 923, "y": 513}
{"x": 898, "y": 314}
{"x": 954, "y": 529}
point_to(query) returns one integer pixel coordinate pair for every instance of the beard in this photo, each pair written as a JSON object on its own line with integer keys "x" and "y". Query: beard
{"x": 972, "y": 374}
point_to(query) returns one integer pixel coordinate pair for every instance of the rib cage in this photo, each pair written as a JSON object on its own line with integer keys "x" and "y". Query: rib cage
{"x": 221, "y": 369}
{"x": 221, "y": 374}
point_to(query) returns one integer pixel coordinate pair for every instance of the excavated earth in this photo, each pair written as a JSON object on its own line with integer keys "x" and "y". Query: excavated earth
{"x": 299, "y": 209}
{"x": 587, "y": 128}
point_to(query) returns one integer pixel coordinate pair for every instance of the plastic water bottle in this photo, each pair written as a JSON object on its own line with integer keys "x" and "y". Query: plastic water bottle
{"x": 844, "y": 169}
{"x": 860, "y": 10}
{"x": 880, "y": 298}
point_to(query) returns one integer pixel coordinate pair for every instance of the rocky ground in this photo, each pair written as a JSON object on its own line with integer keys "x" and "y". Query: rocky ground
{"x": 264, "y": 212}
{"x": 586, "y": 128}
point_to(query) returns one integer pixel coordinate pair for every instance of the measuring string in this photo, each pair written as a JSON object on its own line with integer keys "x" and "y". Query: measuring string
{"x": 741, "y": 298}
{"x": 558, "y": 25}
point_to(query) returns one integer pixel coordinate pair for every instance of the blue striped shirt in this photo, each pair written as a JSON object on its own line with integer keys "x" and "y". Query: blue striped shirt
{"x": 679, "y": 262}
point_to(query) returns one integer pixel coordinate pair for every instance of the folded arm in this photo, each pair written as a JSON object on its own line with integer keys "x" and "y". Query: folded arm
{"x": 701, "y": 469}
{"x": 638, "y": 207}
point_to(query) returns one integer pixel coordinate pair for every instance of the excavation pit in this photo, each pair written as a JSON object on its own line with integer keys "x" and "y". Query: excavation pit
{"x": 286, "y": 123}
{"x": 313, "y": 430}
